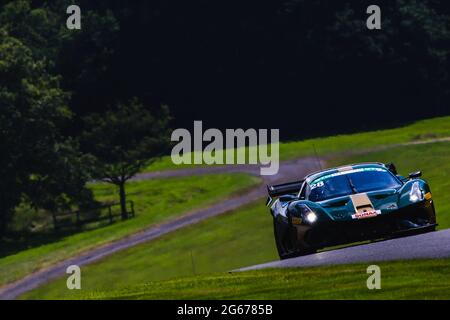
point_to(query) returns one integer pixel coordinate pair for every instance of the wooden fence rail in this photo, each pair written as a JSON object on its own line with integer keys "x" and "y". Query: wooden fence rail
{"x": 80, "y": 218}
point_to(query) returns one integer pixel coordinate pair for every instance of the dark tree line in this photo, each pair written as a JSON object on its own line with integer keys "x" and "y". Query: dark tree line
{"x": 67, "y": 106}
{"x": 276, "y": 63}
{"x": 264, "y": 64}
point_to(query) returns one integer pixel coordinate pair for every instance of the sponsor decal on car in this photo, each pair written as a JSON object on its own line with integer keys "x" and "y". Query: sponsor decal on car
{"x": 366, "y": 214}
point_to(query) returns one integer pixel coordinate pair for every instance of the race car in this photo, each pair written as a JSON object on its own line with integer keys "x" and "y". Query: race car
{"x": 352, "y": 203}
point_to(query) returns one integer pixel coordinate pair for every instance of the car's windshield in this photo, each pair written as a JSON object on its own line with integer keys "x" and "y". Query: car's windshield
{"x": 350, "y": 182}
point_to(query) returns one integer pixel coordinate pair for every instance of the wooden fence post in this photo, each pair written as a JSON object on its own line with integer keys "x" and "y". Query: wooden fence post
{"x": 132, "y": 208}
{"x": 110, "y": 214}
{"x": 55, "y": 223}
{"x": 78, "y": 219}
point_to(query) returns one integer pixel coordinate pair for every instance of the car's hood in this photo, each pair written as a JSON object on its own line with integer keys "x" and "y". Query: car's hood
{"x": 343, "y": 208}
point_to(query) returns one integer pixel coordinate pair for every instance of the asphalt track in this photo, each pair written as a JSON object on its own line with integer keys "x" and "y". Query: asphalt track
{"x": 432, "y": 245}
{"x": 288, "y": 170}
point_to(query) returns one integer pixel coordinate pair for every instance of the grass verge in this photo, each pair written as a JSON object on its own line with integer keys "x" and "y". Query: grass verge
{"x": 420, "y": 279}
{"x": 155, "y": 200}
{"x": 420, "y": 130}
{"x": 219, "y": 244}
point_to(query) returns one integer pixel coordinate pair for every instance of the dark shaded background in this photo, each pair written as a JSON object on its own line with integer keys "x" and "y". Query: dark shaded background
{"x": 307, "y": 67}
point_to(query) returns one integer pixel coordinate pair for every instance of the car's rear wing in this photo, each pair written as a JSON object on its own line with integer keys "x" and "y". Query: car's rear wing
{"x": 285, "y": 188}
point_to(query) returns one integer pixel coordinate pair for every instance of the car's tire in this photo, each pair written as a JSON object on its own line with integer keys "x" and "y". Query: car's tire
{"x": 286, "y": 247}
{"x": 278, "y": 240}
{"x": 302, "y": 251}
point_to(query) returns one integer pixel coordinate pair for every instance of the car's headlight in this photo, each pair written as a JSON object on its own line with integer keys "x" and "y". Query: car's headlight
{"x": 308, "y": 215}
{"x": 311, "y": 217}
{"x": 305, "y": 213}
{"x": 415, "y": 193}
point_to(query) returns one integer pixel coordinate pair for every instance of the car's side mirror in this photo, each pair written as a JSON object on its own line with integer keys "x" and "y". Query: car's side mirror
{"x": 391, "y": 167}
{"x": 414, "y": 175}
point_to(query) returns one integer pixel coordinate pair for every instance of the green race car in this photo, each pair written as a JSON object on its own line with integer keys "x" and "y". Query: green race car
{"x": 347, "y": 204}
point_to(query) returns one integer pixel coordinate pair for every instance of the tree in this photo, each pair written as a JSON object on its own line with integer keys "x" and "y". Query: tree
{"x": 37, "y": 27}
{"x": 83, "y": 58}
{"x": 65, "y": 188}
{"x": 123, "y": 141}
{"x": 34, "y": 153}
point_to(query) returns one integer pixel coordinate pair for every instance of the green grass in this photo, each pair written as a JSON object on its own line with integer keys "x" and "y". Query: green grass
{"x": 155, "y": 201}
{"x": 421, "y": 279}
{"x": 414, "y": 279}
{"x": 420, "y": 130}
{"x": 219, "y": 244}
{"x": 244, "y": 237}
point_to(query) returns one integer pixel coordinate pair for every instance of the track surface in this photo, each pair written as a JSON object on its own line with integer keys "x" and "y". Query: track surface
{"x": 424, "y": 246}
{"x": 288, "y": 170}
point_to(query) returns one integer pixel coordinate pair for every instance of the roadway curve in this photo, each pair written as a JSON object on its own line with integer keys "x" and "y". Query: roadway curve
{"x": 288, "y": 171}
{"x": 432, "y": 245}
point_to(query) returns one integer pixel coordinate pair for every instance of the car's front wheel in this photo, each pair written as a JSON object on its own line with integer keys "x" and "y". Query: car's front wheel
{"x": 286, "y": 241}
